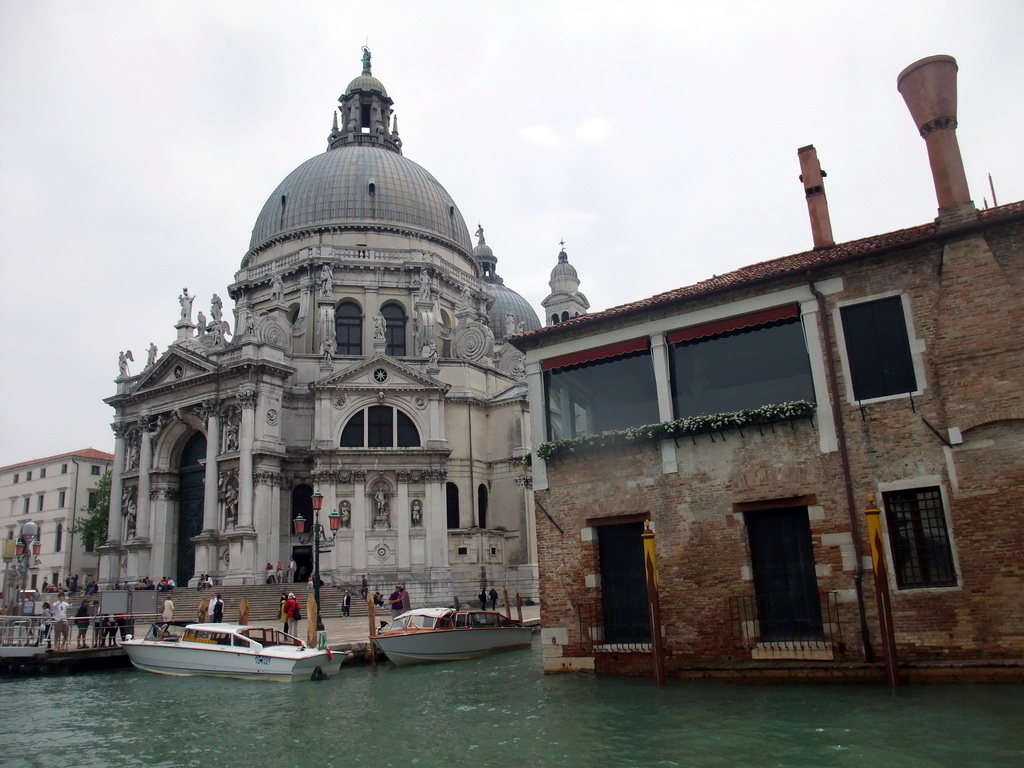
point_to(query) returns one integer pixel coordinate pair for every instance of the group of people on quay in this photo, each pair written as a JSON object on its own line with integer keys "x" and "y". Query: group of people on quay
{"x": 55, "y": 625}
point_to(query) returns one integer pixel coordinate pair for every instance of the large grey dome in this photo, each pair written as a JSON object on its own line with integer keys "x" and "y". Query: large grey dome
{"x": 508, "y": 302}
{"x": 355, "y": 187}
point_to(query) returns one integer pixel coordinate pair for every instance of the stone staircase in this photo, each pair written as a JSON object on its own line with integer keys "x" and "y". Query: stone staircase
{"x": 264, "y": 601}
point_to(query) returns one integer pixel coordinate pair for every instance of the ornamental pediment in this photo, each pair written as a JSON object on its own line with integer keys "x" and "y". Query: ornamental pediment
{"x": 175, "y": 366}
{"x": 377, "y": 373}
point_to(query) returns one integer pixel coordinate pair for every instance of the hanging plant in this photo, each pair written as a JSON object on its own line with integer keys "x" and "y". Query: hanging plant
{"x": 670, "y": 430}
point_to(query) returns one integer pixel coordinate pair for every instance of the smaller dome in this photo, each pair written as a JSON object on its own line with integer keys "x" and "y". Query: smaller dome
{"x": 563, "y": 268}
{"x": 484, "y": 251}
{"x": 366, "y": 83}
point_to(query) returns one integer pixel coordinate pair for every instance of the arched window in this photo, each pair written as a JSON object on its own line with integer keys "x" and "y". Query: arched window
{"x": 394, "y": 329}
{"x": 481, "y": 505}
{"x": 554, "y": 319}
{"x": 380, "y": 426}
{"x": 452, "y": 498}
{"x": 58, "y": 539}
{"x": 348, "y": 326}
{"x": 565, "y": 316}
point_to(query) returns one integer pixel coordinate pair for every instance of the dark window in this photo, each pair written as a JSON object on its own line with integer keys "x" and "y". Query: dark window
{"x": 352, "y": 435}
{"x": 58, "y": 537}
{"x": 878, "y": 348}
{"x": 380, "y": 426}
{"x": 40, "y": 507}
{"x": 741, "y": 369}
{"x": 452, "y": 505}
{"x": 15, "y": 477}
{"x": 481, "y": 505}
{"x": 408, "y": 435}
{"x": 919, "y": 538}
{"x": 602, "y": 395}
{"x": 348, "y": 323}
{"x": 28, "y": 502}
{"x": 94, "y": 470}
{"x": 42, "y": 473}
{"x": 28, "y": 475}
{"x": 386, "y": 427}
{"x": 61, "y": 498}
{"x": 394, "y": 330}
{"x": 63, "y": 469}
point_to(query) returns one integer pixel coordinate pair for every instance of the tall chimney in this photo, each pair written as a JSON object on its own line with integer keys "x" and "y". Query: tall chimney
{"x": 814, "y": 190}
{"x": 928, "y": 87}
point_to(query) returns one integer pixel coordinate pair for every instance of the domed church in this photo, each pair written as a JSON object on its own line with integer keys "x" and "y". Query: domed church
{"x": 364, "y": 361}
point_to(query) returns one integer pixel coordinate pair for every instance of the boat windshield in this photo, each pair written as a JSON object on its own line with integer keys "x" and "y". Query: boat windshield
{"x": 267, "y": 636}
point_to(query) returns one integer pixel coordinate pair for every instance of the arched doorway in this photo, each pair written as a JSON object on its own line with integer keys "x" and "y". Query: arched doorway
{"x": 191, "y": 485}
{"x": 302, "y": 554}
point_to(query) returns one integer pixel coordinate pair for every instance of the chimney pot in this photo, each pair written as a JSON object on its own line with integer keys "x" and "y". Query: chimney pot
{"x": 928, "y": 87}
{"x": 814, "y": 190}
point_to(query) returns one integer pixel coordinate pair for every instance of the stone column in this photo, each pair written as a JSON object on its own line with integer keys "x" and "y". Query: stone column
{"x": 210, "y": 522}
{"x": 116, "y": 485}
{"x": 144, "y": 514}
{"x": 246, "y": 438}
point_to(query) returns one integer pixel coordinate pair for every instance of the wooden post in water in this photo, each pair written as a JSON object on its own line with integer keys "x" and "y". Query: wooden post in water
{"x": 371, "y": 613}
{"x": 882, "y": 596}
{"x": 519, "y": 607}
{"x": 508, "y": 608}
{"x": 651, "y": 572}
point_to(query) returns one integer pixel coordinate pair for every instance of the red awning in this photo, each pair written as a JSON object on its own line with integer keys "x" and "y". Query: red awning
{"x": 597, "y": 353}
{"x": 736, "y": 323}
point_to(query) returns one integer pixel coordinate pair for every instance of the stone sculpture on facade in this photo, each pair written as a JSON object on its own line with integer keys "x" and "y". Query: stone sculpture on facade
{"x": 122, "y": 363}
{"x": 417, "y": 513}
{"x": 200, "y": 323}
{"x": 186, "y": 305}
{"x": 151, "y": 357}
{"x": 326, "y": 281}
{"x": 380, "y": 324}
{"x": 381, "y": 517}
{"x": 276, "y": 289}
{"x": 345, "y": 510}
{"x": 129, "y": 509}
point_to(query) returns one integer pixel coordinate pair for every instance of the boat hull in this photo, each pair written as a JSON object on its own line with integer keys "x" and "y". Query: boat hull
{"x": 418, "y": 647}
{"x": 182, "y": 659}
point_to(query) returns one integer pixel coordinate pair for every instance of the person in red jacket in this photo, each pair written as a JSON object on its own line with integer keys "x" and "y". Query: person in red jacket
{"x": 292, "y": 611}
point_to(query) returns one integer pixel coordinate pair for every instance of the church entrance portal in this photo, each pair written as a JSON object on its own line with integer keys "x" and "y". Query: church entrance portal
{"x": 190, "y": 509}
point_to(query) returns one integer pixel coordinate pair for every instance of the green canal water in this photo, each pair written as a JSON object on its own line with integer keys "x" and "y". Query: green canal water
{"x": 499, "y": 711}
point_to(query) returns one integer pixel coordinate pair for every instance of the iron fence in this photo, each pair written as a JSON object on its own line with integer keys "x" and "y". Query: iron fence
{"x": 791, "y": 618}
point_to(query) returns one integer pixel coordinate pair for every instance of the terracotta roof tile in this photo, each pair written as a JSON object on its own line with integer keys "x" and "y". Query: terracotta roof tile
{"x": 776, "y": 268}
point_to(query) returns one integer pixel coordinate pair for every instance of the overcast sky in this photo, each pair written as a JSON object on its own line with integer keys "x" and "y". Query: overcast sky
{"x": 659, "y": 140}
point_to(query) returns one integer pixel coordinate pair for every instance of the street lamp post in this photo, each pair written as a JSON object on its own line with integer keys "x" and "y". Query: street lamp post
{"x": 28, "y": 546}
{"x": 319, "y": 535}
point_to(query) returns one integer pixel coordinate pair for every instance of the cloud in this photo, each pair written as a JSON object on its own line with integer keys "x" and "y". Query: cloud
{"x": 594, "y": 130}
{"x": 540, "y": 135}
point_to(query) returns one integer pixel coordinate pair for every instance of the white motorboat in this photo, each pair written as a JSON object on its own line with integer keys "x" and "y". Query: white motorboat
{"x": 230, "y": 650}
{"x": 444, "y": 634}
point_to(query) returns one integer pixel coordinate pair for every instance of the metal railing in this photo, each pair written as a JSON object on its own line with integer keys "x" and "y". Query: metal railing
{"x": 607, "y": 628}
{"x": 811, "y": 618}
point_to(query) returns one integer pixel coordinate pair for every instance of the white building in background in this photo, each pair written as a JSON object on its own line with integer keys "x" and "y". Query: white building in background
{"x": 51, "y": 492}
{"x": 365, "y": 360}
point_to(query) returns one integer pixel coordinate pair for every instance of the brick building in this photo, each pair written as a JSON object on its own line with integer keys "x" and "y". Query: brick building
{"x": 752, "y": 418}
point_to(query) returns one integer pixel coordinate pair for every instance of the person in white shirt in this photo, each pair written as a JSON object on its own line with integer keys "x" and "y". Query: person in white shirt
{"x": 62, "y": 630}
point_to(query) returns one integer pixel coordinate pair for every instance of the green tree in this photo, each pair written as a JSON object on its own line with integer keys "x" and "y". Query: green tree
{"x": 91, "y": 523}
